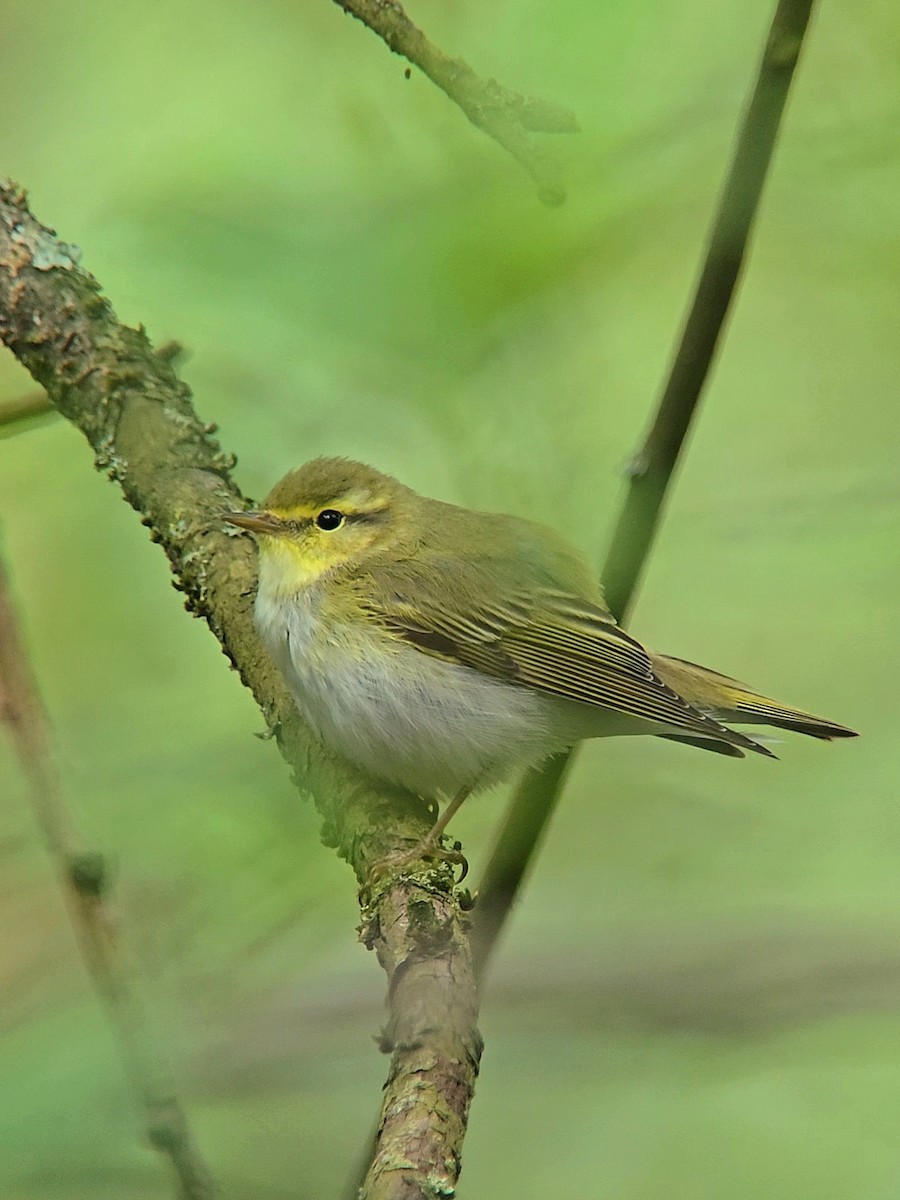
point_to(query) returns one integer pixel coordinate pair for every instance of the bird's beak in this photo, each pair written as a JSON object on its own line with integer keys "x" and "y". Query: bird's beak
{"x": 257, "y": 522}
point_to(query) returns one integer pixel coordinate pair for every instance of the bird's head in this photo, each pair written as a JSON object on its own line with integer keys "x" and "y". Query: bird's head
{"x": 327, "y": 513}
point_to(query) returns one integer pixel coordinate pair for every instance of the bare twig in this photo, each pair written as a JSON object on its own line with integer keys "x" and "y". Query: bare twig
{"x": 138, "y": 417}
{"x": 651, "y": 469}
{"x": 502, "y": 114}
{"x": 84, "y": 879}
{"x": 24, "y": 408}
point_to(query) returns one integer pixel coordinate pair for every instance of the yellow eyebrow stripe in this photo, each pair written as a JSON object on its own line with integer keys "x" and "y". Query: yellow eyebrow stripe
{"x": 304, "y": 512}
{"x": 308, "y": 512}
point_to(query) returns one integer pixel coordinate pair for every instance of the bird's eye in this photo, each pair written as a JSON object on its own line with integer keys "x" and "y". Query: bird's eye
{"x": 329, "y": 518}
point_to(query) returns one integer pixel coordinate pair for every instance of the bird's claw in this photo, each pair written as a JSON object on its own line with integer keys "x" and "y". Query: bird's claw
{"x": 423, "y": 852}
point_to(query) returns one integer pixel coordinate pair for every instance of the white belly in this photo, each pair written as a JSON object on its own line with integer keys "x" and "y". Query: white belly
{"x": 405, "y": 717}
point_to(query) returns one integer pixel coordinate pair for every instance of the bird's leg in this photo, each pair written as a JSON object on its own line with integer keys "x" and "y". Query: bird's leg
{"x": 429, "y": 842}
{"x": 429, "y": 846}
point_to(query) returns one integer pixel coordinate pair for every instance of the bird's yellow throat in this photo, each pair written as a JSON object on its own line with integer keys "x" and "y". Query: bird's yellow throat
{"x": 286, "y": 565}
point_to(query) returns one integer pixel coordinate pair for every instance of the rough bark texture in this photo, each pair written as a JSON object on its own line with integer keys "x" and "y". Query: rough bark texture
{"x": 432, "y": 1036}
{"x": 140, "y": 421}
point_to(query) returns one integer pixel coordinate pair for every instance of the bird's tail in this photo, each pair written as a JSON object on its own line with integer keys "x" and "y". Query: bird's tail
{"x": 728, "y": 700}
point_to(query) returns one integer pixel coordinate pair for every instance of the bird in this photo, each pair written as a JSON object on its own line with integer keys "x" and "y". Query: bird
{"x": 441, "y": 649}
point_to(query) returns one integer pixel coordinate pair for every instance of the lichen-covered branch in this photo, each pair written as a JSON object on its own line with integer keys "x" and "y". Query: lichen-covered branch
{"x": 651, "y": 470}
{"x": 504, "y": 115}
{"x": 84, "y": 878}
{"x": 432, "y": 1034}
{"x": 140, "y": 422}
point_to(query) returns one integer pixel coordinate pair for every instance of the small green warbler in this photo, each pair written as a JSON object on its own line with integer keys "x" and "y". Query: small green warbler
{"x": 439, "y": 648}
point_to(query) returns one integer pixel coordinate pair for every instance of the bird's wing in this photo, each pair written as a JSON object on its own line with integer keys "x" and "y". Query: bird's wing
{"x": 543, "y": 637}
{"x": 729, "y": 700}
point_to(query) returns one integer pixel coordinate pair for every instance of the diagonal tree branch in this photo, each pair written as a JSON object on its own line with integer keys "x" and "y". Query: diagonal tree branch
{"x": 502, "y": 114}
{"x": 651, "y": 469}
{"x": 84, "y": 878}
{"x": 140, "y": 422}
{"x": 24, "y": 409}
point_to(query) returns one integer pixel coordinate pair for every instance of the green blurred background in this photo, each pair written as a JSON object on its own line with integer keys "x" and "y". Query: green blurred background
{"x": 699, "y": 995}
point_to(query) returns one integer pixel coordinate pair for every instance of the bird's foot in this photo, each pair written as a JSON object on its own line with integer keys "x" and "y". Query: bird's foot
{"x": 426, "y": 851}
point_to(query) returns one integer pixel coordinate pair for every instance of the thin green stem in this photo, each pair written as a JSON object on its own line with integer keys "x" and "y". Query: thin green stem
{"x": 651, "y": 469}
{"x": 13, "y": 413}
